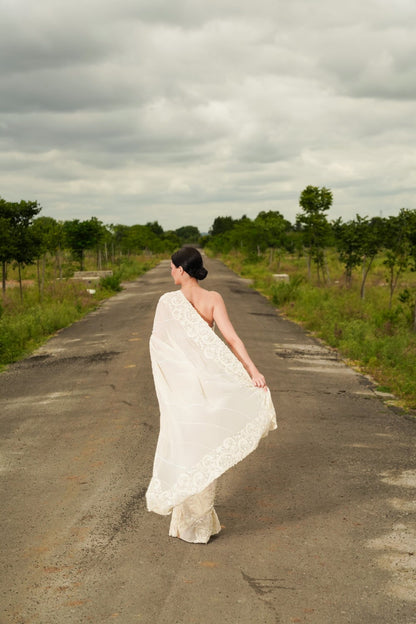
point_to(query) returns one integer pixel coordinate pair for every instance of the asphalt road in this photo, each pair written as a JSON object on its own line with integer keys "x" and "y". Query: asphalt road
{"x": 318, "y": 523}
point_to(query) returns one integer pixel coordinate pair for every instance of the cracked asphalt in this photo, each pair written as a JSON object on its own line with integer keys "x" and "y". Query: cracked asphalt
{"x": 318, "y": 523}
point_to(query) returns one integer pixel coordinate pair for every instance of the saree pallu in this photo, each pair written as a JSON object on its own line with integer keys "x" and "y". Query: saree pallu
{"x": 211, "y": 414}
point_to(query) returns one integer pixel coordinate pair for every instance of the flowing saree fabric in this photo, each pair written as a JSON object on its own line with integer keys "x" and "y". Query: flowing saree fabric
{"x": 211, "y": 414}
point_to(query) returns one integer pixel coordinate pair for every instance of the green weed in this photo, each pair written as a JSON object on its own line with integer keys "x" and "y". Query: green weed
{"x": 112, "y": 283}
{"x": 26, "y": 323}
{"x": 378, "y": 340}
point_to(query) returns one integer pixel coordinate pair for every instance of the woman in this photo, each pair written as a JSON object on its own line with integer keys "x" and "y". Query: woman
{"x": 214, "y": 403}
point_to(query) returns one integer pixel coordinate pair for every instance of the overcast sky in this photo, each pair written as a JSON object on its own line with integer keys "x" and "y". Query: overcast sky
{"x": 184, "y": 110}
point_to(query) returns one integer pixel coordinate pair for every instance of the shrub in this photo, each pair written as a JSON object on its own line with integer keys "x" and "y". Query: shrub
{"x": 283, "y": 292}
{"x": 111, "y": 283}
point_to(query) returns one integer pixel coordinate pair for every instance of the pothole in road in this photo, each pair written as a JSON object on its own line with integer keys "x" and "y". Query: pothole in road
{"x": 305, "y": 351}
{"x": 38, "y": 358}
{"x": 50, "y": 359}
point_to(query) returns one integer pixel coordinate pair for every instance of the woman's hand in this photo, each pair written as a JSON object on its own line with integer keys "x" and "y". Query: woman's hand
{"x": 258, "y": 379}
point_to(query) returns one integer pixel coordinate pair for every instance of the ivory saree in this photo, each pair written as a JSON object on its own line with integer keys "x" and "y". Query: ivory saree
{"x": 211, "y": 417}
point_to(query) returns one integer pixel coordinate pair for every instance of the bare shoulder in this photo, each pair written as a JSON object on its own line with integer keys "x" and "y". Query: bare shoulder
{"x": 215, "y": 297}
{"x": 214, "y": 294}
{"x": 218, "y": 306}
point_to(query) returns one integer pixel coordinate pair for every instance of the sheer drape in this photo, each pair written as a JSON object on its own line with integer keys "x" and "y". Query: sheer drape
{"x": 211, "y": 414}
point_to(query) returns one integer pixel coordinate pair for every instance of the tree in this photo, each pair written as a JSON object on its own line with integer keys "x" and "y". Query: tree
{"x": 171, "y": 241}
{"x": 398, "y": 248}
{"x": 274, "y": 231}
{"x": 348, "y": 244}
{"x": 372, "y": 232}
{"x": 27, "y": 249}
{"x": 221, "y": 225}
{"x": 82, "y": 235}
{"x": 17, "y": 241}
{"x": 27, "y": 243}
{"x": 119, "y": 239}
{"x": 358, "y": 242}
{"x": 188, "y": 234}
{"x": 221, "y": 243}
{"x": 411, "y": 237}
{"x": 49, "y": 232}
{"x": 316, "y": 230}
{"x": 6, "y": 245}
{"x": 141, "y": 238}
{"x": 138, "y": 238}
{"x": 248, "y": 236}
{"x": 155, "y": 227}
{"x": 267, "y": 231}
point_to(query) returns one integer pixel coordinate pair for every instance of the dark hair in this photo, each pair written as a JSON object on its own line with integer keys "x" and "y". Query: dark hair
{"x": 190, "y": 260}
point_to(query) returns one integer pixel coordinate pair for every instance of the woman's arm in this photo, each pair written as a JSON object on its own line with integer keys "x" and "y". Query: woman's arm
{"x": 234, "y": 341}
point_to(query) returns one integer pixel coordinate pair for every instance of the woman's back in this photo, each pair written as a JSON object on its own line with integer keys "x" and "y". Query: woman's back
{"x": 204, "y": 303}
{"x": 186, "y": 269}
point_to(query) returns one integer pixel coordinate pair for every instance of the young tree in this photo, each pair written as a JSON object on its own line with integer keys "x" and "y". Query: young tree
{"x": 372, "y": 239}
{"x": 316, "y": 230}
{"x": 24, "y": 242}
{"x": 398, "y": 248}
{"x": 348, "y": 243}
{"x": 411, "y": 238}
{"x": 119, "y": 240}
{"x": 275, "y": 230}
{"x": 6, "y": 239}
{"x": 358, "y": 242}
{"x": 82, "y": 235}
{"x": 49, "y": 232}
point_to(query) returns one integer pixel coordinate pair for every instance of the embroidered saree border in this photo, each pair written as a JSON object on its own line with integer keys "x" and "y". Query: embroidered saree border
{"x": 233, "y": 448}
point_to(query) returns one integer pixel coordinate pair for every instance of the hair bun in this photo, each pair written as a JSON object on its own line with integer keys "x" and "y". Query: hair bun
{"x": 201, "y": 273}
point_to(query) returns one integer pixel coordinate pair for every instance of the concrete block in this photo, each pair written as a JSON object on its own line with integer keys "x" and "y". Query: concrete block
{"x": 90, "y": 276}
{"x": 281, "y": 277}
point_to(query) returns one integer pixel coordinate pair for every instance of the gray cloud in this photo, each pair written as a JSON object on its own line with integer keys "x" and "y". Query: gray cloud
{"x": 133, "y": 109}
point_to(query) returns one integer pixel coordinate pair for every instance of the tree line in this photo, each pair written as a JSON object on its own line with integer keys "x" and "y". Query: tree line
{"x": 26, "y": 238}
{"x": 357, "y": 241}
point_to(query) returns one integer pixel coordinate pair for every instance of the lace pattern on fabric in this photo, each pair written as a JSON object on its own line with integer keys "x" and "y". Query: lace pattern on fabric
{"x": 204, "y": 337}
{"x": 212, "y": 466}
{"x": 233, "y": 448}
